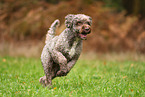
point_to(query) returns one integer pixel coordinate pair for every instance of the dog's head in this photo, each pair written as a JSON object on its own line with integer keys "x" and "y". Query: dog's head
{"x": 80, "y": 24}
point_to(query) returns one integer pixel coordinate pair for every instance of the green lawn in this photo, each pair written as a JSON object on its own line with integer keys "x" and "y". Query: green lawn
{"x": 89, "y": 78}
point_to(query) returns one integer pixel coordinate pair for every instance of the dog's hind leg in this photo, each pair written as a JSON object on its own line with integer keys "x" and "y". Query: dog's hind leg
{"x": 47, "y": 66}
{"x": 52, "y": 30}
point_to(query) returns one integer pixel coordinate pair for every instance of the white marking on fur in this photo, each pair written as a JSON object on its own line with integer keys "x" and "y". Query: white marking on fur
{"x": 73, "y": 49}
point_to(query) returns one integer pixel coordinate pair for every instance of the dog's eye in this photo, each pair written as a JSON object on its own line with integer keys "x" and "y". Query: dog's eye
{"x": 88, "y": 23}
{"x": 78, "y": 23}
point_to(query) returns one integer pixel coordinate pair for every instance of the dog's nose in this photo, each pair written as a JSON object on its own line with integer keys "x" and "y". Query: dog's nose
{"x": 87, "y": 29}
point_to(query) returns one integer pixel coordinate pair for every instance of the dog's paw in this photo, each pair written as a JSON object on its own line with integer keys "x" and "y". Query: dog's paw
{"x": 62, "y": 73}
{"x": 42, "y": 80}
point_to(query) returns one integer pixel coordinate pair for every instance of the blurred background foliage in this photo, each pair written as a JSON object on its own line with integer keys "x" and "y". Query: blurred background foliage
{"x": 118, "y": 25}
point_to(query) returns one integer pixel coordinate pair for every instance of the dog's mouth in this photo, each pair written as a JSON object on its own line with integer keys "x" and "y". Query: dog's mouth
{"x": 83, "y": 36}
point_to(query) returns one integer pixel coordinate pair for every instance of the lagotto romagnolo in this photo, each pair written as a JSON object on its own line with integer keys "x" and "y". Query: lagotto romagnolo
{"x": 60, "y": 53}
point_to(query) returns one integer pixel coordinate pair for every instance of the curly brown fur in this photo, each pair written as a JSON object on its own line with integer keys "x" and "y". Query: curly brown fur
{"x": 61, "y": 52}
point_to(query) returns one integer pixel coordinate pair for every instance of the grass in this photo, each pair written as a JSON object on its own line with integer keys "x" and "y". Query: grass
{"x": 89, "y": 78}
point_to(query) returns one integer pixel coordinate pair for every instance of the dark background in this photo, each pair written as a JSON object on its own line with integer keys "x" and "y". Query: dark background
{"x": 118, "y": 25}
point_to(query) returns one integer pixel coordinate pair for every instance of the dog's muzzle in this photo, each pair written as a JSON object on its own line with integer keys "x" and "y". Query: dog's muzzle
{"x": 86, "y": 29}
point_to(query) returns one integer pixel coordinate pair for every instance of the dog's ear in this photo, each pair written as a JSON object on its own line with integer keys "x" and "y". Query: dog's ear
{"x": 68, "y": 20}
{"x": 90, "y": 20}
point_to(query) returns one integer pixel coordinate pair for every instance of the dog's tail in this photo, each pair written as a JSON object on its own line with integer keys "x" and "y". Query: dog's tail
{"x": 51, "y": 32}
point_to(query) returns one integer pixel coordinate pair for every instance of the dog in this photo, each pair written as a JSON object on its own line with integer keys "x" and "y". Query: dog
{"x": 60, "y": 53}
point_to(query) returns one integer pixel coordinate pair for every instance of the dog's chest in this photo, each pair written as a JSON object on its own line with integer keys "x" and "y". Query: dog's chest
{"x": 72, "y": 50}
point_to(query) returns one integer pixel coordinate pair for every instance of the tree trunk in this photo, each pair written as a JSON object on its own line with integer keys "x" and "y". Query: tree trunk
{"x": 135, "y": 7}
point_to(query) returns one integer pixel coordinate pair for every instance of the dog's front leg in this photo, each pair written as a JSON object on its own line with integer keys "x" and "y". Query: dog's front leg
{"x": 71, "y": 64}
{"x": 60, "y": 59}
